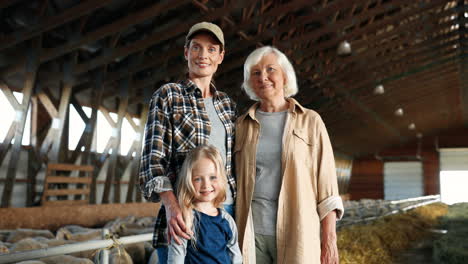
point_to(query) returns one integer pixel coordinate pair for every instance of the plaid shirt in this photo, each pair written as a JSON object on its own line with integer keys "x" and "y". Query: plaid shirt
{"x": 177, "y": 123}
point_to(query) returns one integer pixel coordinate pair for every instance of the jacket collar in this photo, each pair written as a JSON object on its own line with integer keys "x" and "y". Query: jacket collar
{"x": 294, "y": 107}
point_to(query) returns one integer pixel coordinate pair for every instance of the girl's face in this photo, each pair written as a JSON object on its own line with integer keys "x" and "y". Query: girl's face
{"x": 205, "y": 180}
{"x": 203, "y": 55}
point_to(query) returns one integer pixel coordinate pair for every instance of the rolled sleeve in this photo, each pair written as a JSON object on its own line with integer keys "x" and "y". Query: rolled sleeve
{"x": 328, "y": 194}
{"x": 155, "y": 158}
{"x": 330, "y": 204}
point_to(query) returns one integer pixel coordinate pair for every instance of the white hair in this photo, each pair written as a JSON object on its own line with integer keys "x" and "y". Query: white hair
{"x": 290, "y": 89}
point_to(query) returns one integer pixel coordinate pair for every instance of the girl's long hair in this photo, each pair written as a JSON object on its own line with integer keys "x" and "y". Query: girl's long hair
{"x": 185, "y": 189}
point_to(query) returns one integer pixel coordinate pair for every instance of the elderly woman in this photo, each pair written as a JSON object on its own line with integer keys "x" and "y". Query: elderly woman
{"x": 287, "y": 186}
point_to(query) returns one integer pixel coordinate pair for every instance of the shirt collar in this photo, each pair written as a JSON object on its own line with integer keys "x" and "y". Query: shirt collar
{"x": 294, "y": 107}
{"x": 191, "y": 87}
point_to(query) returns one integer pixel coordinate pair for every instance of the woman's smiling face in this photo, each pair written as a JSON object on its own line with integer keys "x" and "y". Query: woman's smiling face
{"x": 267, "y": 78}
{"x": 203, "y": 54}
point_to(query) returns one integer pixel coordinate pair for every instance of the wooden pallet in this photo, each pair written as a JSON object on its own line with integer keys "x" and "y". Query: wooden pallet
{"x": 57, "y": 183}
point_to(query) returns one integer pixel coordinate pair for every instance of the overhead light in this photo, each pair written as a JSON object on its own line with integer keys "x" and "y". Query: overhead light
{"x": 466, "y": 14}
{"x": 412, "y": 126}
{"x": 344, "y": 48}
{"x": 399, "y": 112}
{"x": 379, "y": 89}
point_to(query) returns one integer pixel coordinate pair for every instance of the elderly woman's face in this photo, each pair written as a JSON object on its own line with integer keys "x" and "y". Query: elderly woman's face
{"x": 267, "y": 78}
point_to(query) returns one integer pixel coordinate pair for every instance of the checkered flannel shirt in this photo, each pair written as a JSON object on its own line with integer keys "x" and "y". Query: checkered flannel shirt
{"x": 177, "y": 123}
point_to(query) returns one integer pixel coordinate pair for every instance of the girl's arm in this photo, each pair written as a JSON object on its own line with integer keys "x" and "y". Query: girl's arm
{"x": 233, "y": 245}
{"x": 176, "y": 252}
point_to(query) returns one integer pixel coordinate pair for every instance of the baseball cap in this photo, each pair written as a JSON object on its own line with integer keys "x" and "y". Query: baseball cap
{"x": 206, "y": 26}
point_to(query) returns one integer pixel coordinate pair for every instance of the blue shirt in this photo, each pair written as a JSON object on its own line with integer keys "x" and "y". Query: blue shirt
{"x": 216, "y": 242}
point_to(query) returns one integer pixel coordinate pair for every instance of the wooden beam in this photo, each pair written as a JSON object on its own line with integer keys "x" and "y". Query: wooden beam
{"x": 110, "y": 29}
{"x": 362, "y": 30}
{"x": 48, "y": 105}
{"x": 463, "y": 67}
{"x": 79, "y": 109}
{"x": 6, "y": 144}
{"x": 31, "y": 178}
{"x": 138, "y": 144}
{"x": 374, "y": 48}
{"x": 30, "y": 78}
{"x": 7, "y": 3}
{"x": 91, "y": 129}
{"x": 117, "y": 133}
{"x": 9, "y": 96}
{"x": 147, "y": 42}
{"x": 50, "y": 23}
{"x": 230, "y": 32}
{"x": 113, "y": 28}
{"x": 413, "y": 54}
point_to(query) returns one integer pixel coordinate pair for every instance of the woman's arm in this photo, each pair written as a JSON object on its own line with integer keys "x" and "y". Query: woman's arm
{"x": 329, "y": 252}
{"x": 156, "y": 161}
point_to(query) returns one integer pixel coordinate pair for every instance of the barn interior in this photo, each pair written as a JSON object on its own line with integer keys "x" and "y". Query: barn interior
{"x": 388, "y": 77}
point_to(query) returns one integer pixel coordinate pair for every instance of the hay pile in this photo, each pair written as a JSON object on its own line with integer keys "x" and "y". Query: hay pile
{"x": 453, "y": 247}
{"x": 377, "y": 242}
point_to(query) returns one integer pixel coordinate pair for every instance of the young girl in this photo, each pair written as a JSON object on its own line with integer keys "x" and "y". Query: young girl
{"x": 201, "y": 192}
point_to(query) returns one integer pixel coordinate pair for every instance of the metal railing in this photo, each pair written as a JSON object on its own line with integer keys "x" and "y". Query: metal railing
{"x": 415, "y": 202}
{"x": 99, "y": 245}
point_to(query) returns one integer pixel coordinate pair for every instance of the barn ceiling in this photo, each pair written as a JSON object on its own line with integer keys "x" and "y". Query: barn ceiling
{"x": 416, "y": 50}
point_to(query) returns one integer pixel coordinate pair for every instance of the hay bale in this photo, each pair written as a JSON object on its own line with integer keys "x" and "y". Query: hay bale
{"x": 453, "y": 246}
{"x": 377, "y": 242}
{"x": 20, "y": 234}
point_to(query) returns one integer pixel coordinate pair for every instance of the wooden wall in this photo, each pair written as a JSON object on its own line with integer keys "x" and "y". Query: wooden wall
{"x": 366, "y": 179}
{"x": 431, "y": 172}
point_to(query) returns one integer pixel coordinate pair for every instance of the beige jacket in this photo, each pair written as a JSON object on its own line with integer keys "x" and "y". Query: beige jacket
{"x": 309, "y": 189}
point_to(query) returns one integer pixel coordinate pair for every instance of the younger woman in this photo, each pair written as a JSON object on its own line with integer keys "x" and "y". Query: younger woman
{"x": 201, "y": 189}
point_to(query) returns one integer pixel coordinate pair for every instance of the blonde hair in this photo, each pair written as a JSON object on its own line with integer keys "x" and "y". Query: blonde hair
{"x": 290, "y": 89}
{"x": 185, "y": 189}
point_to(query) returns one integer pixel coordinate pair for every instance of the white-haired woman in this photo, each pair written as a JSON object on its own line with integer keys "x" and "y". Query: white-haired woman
{"x": 288, "y": 199}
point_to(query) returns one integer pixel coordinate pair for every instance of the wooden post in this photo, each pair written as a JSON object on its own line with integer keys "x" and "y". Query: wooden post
{"x": 21, "y": 114}
{"x": 463, "y": 67}
{"x": 59, "y": 121}
{"x": 111, "y": 175}
{"x": 136, "y": 160}
{"x": 91, "y": 129}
